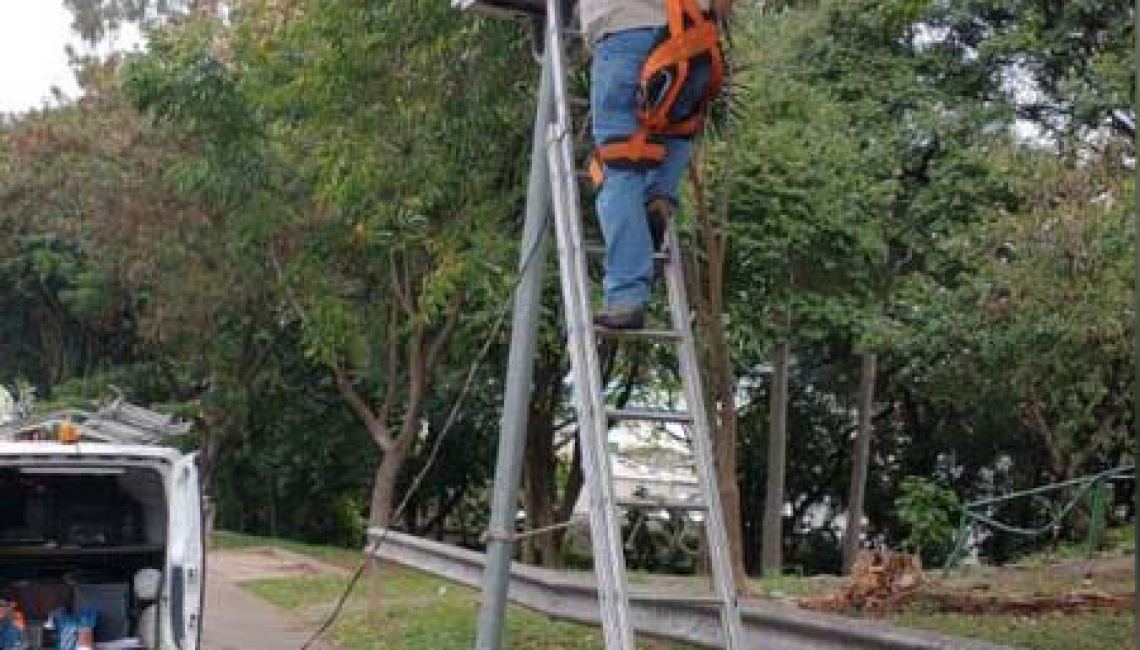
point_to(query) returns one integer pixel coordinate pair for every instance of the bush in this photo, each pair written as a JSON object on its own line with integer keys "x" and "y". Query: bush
{"x": 928, "y": 509}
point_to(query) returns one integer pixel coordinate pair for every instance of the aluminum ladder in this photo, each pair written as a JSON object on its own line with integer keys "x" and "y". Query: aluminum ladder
{"x": 116, "y": 422}
{"x": 555, "y": 140}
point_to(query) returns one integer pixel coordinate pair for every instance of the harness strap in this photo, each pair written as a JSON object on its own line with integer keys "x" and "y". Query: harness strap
{"x": 691, "y": 36}
{"x": 639, "y": 151}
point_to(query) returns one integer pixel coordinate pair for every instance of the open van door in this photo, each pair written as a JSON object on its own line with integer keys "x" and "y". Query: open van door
{"x": 187, "y": 554}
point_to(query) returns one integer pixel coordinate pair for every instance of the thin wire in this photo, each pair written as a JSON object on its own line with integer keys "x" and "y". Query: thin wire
{"x": 373, "y": 547}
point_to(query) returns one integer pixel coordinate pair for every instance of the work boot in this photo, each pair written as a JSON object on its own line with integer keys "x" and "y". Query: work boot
{"x": 657, "y": 212}
{"x": 620, "y": 317}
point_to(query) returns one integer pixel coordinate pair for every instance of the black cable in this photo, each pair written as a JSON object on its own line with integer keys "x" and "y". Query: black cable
{"x": 371, "y": 549}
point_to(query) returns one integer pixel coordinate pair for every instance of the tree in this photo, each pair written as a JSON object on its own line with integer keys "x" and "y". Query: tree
{"x": 864, "y": 146}
{"x": 147, "y": 275}
{"x": 1042, "y": 327}
{"x": 801, "y": 243}
{"x": 332, "y": 135}
{"x": 95, "y": 20}
{"x": 1064, "y": 66}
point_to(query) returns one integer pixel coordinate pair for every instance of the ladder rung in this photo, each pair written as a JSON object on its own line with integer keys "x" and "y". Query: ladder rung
{"x": 650, "y": 415}
{"x": 599, "y": 250}
{"x": 665, "y": 596}
{"x": 694, "y": 506}
{"x": 657, "y": 335}
{"x": 503, "y": 8}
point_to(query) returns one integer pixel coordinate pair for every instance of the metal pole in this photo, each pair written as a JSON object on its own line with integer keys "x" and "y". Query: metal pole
{"x": 1136, "y": 343}
{"x": 520, "y": 369}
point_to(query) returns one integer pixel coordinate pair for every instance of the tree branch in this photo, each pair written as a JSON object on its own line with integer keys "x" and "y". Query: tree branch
{"x": 393, "y": 366}
{"x": 377, "y": 427}
{"x": 398, "y": 286}
{"x": 417, "y": 382}
{"x": 439, "y": 341}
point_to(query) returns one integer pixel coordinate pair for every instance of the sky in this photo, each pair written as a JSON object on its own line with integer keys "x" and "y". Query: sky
{"x": 33, "y": 38}
{"x": 33, "y": 35}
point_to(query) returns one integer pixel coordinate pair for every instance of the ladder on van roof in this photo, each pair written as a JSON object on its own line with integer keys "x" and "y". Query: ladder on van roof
{"x": 118, "y": 422}
{"x": 554, "y": 185}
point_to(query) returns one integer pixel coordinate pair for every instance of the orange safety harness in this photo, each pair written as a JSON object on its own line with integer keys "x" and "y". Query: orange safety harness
{"x": 692, "y": 39}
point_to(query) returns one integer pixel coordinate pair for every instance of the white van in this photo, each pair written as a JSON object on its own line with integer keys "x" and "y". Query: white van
{"x": 97, "y": 514}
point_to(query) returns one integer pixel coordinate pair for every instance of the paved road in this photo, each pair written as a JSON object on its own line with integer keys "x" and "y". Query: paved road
{"x": 237, "y": 620}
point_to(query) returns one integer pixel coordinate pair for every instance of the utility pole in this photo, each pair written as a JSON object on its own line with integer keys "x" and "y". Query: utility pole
{"x": 771, "y": 550}
{"x": 860, "y": 462}
{"x": 520, "y": 371}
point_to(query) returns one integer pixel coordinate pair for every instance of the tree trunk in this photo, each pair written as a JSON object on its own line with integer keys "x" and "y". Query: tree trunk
{"x": 706, "y": 291}
{"x": 570, "y": 493}
{"x": 380, "y": 515}
{"x": 860, "y": 462}
{"x": 725, "y": 449}
{"x": 539, "y": 489}
{"x": 771, "y": 554}
{"x": 384, "y": 486}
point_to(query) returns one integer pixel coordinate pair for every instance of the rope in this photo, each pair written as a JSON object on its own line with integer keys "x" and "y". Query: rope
{"x": 505, "y": 536}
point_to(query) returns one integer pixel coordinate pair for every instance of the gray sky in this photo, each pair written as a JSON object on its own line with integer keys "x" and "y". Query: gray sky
{"x": 33, "y": 35}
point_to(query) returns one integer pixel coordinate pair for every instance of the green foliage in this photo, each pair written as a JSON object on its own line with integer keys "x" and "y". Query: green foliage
{"x": 1043, "y": 324}
{"x": 344, "y": 150}
{"x": 1076, "y": 56}
{"x": 315, "y": 186}
{"x": 928, "y": 509}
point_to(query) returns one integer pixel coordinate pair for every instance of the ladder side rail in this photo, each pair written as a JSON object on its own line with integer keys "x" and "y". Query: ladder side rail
{"x": 612, "y": 607}
{"x": 50, "y": 418}
{"x": 593, "y": 426}
{"x": 608, "y": 559}
{"x": 731, "y": 625}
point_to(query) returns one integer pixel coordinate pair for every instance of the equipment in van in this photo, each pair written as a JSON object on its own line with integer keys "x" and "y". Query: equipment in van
{"x": 12, "y": 626}
{"x": 146, "y": 584}
{"x": 101, "y": 523}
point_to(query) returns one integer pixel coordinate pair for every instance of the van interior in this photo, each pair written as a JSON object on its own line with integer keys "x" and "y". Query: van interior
{"x": 84, "y": 538}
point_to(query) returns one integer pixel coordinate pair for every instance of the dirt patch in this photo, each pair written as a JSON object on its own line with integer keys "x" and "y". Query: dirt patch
{"x": 262, "y": 563}
{"x": 1077, "y": 602}
{"x": 883, "y": 585}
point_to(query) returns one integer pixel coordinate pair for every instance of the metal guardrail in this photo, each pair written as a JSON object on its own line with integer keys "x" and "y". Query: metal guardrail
{"x": 573, "y": 597}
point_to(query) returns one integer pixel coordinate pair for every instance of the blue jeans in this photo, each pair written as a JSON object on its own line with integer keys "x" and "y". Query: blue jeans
{"x": 618, "y": 59}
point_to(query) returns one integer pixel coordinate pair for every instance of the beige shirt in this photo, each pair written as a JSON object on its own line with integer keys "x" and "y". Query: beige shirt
{"x": 601, "y": 17}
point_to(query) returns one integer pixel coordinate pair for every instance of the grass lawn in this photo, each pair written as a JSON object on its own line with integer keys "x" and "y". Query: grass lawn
{"x": 1049, "y": 632}
{"x": 412, "y": 611}
{"x": 417, "y": 612}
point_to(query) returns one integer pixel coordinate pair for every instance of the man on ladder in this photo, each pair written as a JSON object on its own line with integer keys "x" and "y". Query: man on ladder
{"x": 657, "y": 66}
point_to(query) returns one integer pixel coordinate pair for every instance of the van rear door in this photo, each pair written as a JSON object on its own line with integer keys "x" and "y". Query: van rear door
{"x": 187, "y": 567}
